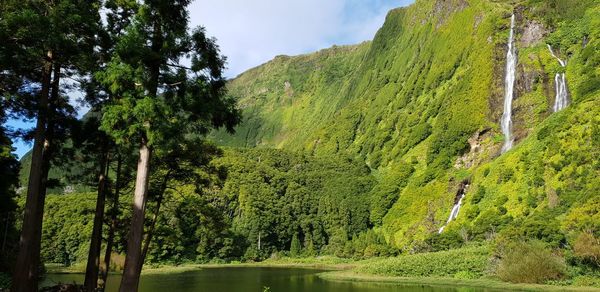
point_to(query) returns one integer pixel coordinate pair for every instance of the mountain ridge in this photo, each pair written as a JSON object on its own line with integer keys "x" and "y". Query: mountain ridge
{"x": 423, "y": 94}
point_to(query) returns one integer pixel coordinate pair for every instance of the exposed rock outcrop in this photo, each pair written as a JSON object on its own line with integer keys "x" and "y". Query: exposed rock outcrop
{"x": 533, "y": 33}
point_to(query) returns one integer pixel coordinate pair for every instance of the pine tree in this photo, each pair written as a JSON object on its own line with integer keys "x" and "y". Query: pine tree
{"x": 159, "y": 101}
{"x": 295, "y": 247}
{"x": 42, "y": 42}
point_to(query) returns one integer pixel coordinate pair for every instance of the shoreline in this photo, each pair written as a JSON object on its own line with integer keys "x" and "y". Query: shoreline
{"x": 344, "y": 272}
{"x": 496, "y": 285}
{"x": 166, "y": 269}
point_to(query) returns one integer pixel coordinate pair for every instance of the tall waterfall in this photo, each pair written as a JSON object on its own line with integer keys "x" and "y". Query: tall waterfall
{"x": 509, "y": 88}
{"x": 560, "y": 82}
{"x": 456, "y": 208}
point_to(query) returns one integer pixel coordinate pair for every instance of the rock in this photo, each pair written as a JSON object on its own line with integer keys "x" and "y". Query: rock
{"x": 533, "y": 33}
{"x": 287, "y": 87}
{"x": 474, "y": 156}
{"x": 444, "y": 8}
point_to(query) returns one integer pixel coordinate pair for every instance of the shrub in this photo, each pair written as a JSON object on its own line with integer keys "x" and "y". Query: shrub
{"x": 478, "y": 196}
{"x": 489, "y": 221}
{"x": 468, "y": 262}
{"x": 529, "y": 262}
{"x": 587, "y": 281}
{"x": 447, "y": 240}
{"x": 587, "y": 248}
{"x": 466, "y": 275}
{"x": 295, "y": 247}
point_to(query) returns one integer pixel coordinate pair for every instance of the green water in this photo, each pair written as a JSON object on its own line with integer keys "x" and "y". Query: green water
{"x": 251, "y": 279}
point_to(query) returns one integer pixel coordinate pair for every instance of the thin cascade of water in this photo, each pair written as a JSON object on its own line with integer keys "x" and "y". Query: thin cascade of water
{"x": 509, "y": 86}
{"x": 455, "y": 208}
{"x": 561, "y": 100}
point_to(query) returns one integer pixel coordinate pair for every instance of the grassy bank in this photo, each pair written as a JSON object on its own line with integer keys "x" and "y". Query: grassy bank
{"x": 488, "y": 283}
{"x": 321, "y": 262}
{"x": 471, "y": 266}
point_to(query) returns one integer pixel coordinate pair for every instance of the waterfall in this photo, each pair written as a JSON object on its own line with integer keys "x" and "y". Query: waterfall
{"x": 560, "y": 82}
{"x": 456, "y": 207}
{"x": 509, "y": 86}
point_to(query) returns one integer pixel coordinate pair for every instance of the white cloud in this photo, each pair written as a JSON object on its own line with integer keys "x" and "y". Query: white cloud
{"x": 253, "y": 32}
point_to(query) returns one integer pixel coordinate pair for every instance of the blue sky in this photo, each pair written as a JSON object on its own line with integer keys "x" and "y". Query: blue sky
{"x": 252, "y": 32}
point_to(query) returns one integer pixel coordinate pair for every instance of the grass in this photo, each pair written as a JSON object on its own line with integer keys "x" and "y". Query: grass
{"x": 487, "y": 283}
{"x": 320, "y": 262}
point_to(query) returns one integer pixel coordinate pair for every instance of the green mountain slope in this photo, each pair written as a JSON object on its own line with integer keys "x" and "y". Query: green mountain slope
{"x": 421, "y": 105}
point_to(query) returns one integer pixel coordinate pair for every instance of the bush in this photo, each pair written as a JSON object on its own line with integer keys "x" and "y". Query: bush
{"x": 529, "y": 262}
{"x": 443, "y": 241}
{"x": 478, "y": 196}
{"x": 587, "y": 248}
{"x": 470, "y": 262}
{"x": 295, "y": 247}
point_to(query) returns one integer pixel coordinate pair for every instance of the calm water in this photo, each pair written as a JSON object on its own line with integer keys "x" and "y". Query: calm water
{"x": 251, "y": 279}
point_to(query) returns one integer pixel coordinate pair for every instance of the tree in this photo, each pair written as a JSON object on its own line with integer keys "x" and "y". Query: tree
{"x": 159, "y": 101}
{"x": 9, "y": 170}
{"x": 100, "y": 147}
{"x": 42, "y": 43}
{"x": 295, "y": 247}
{"x": 186, "y": 163}
{"x": 97, "y": 149}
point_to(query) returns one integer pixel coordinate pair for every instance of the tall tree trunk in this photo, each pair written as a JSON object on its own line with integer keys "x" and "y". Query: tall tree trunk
{"x": 49, "y": 147}
{"x": 5, "y": 231}
{"x": 133, "y": 260}
{"x": 26, "y": 270}
{"x": 131, "y": 274}
{"x": 93, "y": 261}
{"x": 113, "y": 224}
{"x": 150, "y": 233}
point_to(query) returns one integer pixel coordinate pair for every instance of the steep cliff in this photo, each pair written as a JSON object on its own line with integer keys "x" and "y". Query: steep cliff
{"x": 422, "y": 103}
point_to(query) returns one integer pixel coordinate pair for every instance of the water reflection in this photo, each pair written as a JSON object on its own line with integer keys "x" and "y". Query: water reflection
{"x": 252, "y": 279}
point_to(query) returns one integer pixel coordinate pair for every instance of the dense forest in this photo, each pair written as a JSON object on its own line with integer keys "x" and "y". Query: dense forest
{"x": 393, "y": 149}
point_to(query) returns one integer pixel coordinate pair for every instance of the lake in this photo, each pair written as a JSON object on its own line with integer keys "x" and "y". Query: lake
{"x": 251, "y": 279}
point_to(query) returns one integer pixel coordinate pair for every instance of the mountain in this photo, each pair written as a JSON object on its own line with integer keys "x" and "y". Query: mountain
{"x": 422, "y": 105}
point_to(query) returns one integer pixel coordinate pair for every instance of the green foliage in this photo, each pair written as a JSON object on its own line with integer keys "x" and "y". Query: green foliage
{"x": 295, "y": 247}
{"x": 488, "y": 222}
{"x": 408, "y": 104}
{"x": 541, "y": 225}
{"x": 386, "y": 192}
{"x": 67, "y": 228}
{"x": 478, "y": 196}
{"x": 158, "y": 101}
{"x": 278, "y": 194}
{"x": 193, "y": 228}
{"x": 584, "y": 217}
{"x": 285, "y": 198}
{"x": 469, "y": 262}
{"x": 419, "y": 91}
{"x": 443, "y": 241}
{"x": 410, "y": 95}
{"x": 529, "y": 262}
{"x": 542, "y": 190}
{"x": 586, "y": 247}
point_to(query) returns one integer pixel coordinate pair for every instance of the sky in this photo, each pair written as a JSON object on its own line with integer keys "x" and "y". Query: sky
{"x": 252, "y": 32}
